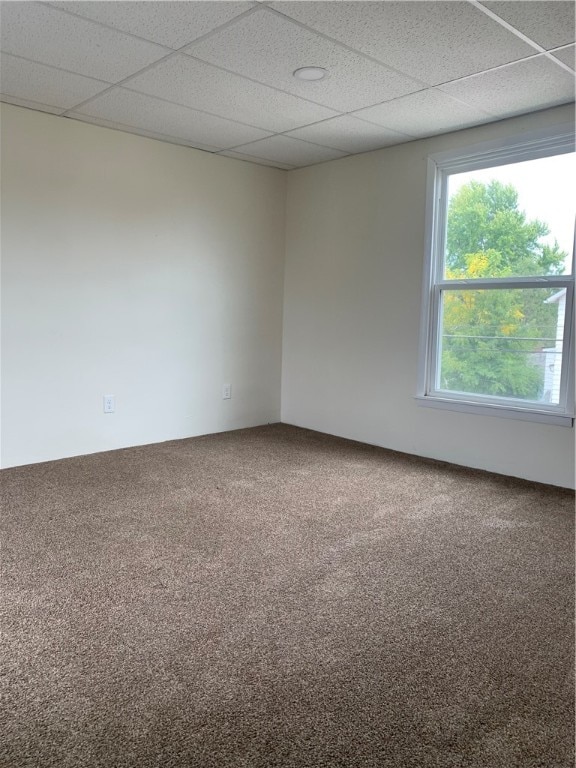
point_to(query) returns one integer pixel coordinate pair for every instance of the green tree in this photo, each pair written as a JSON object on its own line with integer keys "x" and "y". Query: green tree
{"x": 490, "y": 337}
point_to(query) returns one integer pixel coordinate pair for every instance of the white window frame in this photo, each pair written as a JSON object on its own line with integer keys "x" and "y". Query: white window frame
{"x": 528, "y": 146}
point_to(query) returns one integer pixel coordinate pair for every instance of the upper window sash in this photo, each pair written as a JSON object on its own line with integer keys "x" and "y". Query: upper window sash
{"x": 489, "y": 155}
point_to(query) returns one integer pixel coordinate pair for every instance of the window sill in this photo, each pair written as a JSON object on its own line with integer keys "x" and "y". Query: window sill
{"x": 489, "y": 409}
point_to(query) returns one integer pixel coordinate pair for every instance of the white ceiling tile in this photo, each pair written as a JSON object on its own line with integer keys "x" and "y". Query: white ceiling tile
{"x": 30, "y": 104}
{"x": 173, "y": 24}
{"x": 349, "y": 134}
{"x": 424, "y": 114}
{"x": 550, "y": 23}
{"x": 135, "y": 109}
{"x": 290, "y": 151}
{"x": 432, "y": 41}
{"x": 196, "y": 84}
{"x": 517, "y": 88}
{"x": 49, "y": 36}
{"x": 566, "y": 55}
{"x": 45, "y": 85}
{"x": 268, "y": 47}
{"x": 100, "y": 122}
{"x": 255, "y": 160}
{"x": 56, "y": 56}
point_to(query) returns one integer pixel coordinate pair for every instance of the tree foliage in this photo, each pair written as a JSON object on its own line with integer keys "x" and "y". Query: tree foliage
{"x": 490, "y": 337}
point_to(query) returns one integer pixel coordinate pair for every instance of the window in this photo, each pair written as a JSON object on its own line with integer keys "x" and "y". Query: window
{"x": 499, "y": 284}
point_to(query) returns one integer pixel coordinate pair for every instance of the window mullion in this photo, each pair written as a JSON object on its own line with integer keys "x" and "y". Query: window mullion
{"x": 439, "y": 249}
{"x": 558, "y": 281}
{"x": 435, "y": 336}
{"x": 566, "y": 381}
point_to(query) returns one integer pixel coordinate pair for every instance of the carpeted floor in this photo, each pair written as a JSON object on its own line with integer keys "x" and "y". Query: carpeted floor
{"x": 275, "y": 597}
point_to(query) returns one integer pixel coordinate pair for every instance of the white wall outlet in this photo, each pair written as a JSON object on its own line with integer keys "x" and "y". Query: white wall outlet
{"x": 226, "y": 391}
{"x": 109, "y": 403}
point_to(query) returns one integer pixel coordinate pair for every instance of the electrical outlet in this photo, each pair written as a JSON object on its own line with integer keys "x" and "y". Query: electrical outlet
{"x": 109, "y": 403}
{"x": 226, "y": 391}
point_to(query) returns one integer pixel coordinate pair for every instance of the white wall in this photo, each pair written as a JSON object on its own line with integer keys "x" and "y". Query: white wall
{"x": 155, "y": 273}
{"x": 353, "y": 283}
{"x": 135, "y": 268}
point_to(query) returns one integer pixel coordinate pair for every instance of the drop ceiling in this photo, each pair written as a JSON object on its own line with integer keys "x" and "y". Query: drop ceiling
{"x": 218, "y": 75}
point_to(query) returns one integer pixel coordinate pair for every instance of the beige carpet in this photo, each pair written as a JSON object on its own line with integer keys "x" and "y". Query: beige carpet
{"x": 275, "y": 597}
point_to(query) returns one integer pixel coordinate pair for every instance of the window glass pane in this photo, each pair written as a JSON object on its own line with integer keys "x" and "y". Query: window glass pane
{"x": 513, "y": 220}
{"x": 502, "y": 343}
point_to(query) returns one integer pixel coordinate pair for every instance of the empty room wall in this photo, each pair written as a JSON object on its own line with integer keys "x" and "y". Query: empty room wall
{"x": 353, "y": 287}
{"x": 135, "y": 268}
{"x": 155, "y": 273}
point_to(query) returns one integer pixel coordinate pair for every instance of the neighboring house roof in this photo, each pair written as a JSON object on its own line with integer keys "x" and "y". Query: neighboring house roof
{"x": 561, "y": 294}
